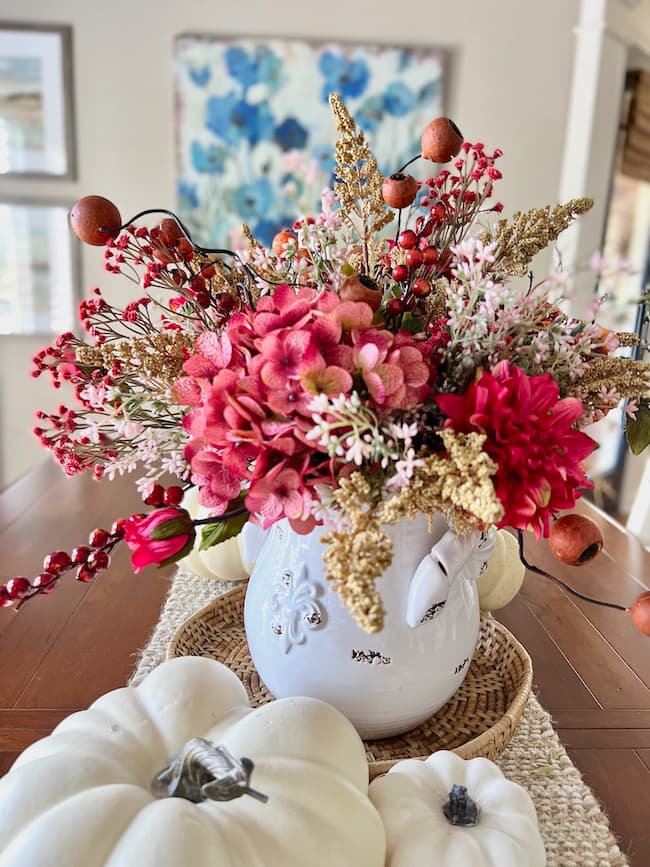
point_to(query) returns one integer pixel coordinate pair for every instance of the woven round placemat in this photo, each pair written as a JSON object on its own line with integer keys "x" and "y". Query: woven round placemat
{"x": 478, "y": 720}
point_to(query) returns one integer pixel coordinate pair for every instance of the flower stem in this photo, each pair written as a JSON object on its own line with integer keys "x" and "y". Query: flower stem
{"x": 234, "y": 513}
{"x": 538, "y": 571}
{"x": 416, "y": 157}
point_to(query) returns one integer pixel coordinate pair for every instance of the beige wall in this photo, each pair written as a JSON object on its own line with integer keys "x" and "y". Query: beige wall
{"x": 508, "y": 85}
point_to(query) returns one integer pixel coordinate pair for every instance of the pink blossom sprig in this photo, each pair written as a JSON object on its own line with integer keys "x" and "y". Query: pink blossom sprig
{"x": 352, "y": 431}
{"x": 490, "y": 321}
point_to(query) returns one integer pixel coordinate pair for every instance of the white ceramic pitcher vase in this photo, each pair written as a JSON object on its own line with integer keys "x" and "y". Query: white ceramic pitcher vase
{"x": 303, "y": 641}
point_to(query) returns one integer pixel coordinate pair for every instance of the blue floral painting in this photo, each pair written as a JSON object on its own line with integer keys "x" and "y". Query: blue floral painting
{"x": 254, "y": 131}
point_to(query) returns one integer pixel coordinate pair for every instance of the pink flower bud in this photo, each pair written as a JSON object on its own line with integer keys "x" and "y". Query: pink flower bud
{"x": 161, "y": 537}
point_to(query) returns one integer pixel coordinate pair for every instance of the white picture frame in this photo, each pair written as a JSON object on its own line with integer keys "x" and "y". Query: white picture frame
{"x": 36, "y": 104}
{"x": 39, "y": 268}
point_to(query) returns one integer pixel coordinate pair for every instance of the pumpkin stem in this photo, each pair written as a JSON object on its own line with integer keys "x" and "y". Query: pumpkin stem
{"x": 460, "y": 809}
{"x": 203, "y": 770}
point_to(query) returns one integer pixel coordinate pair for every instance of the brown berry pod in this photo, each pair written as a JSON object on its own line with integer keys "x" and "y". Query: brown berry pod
{"x": 361, "y": 288}
{"x": 399, "y": 190}
{"x": 639, "y": 611}
{"x": 95, "y": 220}
{"x": 302, "y": 254}
{"x": 575, "y": 539}
{"x": 441, "y": 140}
{"x": 170, "y": 231}
{"x": 281, "y": 241}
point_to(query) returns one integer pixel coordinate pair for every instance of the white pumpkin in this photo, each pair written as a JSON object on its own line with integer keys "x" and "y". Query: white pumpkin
{"x": 504, "y": 574}
{"x": 81, "y": 797}
{"x": 413, "y": 796}
{"x": 223, "y": 561}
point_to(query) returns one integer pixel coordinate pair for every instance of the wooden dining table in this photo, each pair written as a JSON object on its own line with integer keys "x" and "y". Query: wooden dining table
{"x": 62, "y": 651}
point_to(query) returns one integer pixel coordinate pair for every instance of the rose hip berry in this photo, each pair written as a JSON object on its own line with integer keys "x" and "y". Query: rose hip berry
{"x": 80, "y": 554}
{"x": 421, "y": 287}
{"x": 400, "y": 273}
{"x": 407, "y": 239}
{"x": 43, "y": 579}
{"x": 57, "y": 562}
{"x": 414, "y": 258}
{"x": 441, "y": 140}
{"x": 575, "y": 539}
{"x": 395, "y": 307}
{"x": 639, "y": 611}
{"x": 170, "y": 231}
{"x": 95, "y": 220}
{"x": 5, "y": 599}
{"x": 430, "y": 255}
{"x": 85, "y": 574}
{"x": 399, "y": 190}
{"x": 173, "y": 495}
{"x": 98, "y": 560}
{"x": 17, "y": 587}
{"x": 438, "y": 212}
{"x": 117, "y": 530}
{"x": 155, "y": 498}
{"x": 98, "y": 538}
{"x": 410, "y": 302}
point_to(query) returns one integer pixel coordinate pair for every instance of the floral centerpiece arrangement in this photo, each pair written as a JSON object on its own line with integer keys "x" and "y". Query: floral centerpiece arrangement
{"x": 387, "y": 357}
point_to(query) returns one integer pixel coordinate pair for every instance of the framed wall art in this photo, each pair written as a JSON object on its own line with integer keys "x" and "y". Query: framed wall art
{"x": 36, "y": 105}
{"x": 255, "y": 138}
{"x": 39, "y": 269}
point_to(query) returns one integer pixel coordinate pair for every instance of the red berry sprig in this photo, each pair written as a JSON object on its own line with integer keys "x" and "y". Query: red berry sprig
{"x": 452, "y": 199}
{"x": 88, "y": 560}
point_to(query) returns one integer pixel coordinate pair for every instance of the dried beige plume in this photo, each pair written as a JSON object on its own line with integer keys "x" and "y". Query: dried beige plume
{"x": 518, "y": 240}
{"x": 359, "y": 184}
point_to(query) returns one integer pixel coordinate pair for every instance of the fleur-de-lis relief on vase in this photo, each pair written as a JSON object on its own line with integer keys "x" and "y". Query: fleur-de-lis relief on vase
{"x": 296, "y": 607}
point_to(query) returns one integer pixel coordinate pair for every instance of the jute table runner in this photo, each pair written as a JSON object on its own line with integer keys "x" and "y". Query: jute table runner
{"x": 575, "y": 829}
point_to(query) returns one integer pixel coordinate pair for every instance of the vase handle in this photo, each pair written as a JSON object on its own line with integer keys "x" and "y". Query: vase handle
{"x": 435, "y": 574}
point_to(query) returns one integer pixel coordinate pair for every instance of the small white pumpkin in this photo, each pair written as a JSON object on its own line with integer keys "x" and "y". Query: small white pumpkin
{"x": 82, "y": 798}
{"x": 419, "y": 801}
{"x": 222, "y": 562}
{"x": 504, "y": 574}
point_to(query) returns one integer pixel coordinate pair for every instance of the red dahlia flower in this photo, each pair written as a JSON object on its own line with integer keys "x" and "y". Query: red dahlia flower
{"x": 530, "y": 436}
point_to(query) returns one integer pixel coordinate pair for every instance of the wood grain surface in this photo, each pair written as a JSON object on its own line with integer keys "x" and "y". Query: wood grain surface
{"x": 591, "y": 667}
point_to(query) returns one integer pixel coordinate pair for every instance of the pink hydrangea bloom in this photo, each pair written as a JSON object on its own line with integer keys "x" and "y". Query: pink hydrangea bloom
{"x": 250, "y": 390}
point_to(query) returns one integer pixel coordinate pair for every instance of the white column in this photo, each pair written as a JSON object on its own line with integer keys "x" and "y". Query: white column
{"x": 591, "y": 133}
{"x": 638, "y": 522}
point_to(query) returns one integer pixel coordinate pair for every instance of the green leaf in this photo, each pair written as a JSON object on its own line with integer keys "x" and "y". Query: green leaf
{"x": 413, "y": 324}
{"x": 638, "y": 430}
{"x": 174, "y": 527}
{"x": 214, "y": 534}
